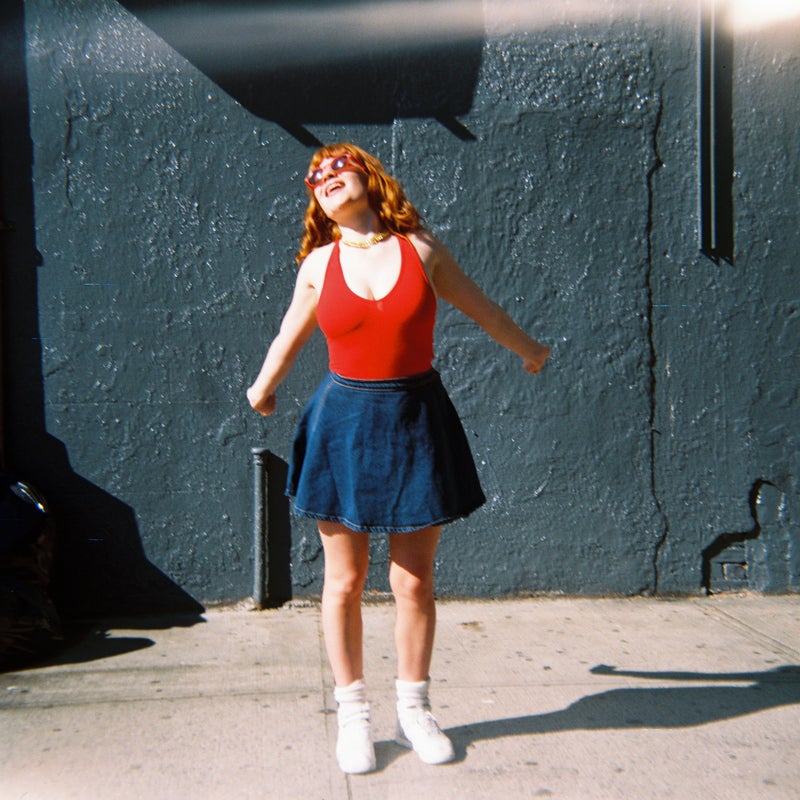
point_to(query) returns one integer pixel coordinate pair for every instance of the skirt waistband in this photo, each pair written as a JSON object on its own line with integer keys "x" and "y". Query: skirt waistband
{"x": 388, "y": 385}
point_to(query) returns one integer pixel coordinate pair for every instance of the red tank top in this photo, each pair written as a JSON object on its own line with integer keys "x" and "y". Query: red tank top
{"x": 379, "y": 339}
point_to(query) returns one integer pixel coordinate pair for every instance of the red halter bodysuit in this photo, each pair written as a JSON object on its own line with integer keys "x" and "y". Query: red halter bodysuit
{"x": 379, "y": 339}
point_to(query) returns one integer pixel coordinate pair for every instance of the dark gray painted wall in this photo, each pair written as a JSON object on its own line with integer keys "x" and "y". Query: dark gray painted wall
{"x": 167, "y": 215}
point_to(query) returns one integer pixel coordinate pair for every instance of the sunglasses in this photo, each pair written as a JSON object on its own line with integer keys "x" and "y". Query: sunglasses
{"x": 340, "y": 164}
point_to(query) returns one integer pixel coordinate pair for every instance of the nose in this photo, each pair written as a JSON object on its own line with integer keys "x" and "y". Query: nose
{"x": 328, "y": 172}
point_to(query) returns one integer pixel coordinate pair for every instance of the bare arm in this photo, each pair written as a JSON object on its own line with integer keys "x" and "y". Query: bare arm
{"x": 298, "y": 324}
{"x": 454, "y": 286}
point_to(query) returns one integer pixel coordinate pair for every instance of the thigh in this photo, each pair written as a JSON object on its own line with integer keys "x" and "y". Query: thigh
{"x": 346, "y": 551}
{"x": 413, "y": 553}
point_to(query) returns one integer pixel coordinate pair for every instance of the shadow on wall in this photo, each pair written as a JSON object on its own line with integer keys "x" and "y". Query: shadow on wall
{"x": 294, "y": 64}
{"x": 326, "y": 62}
{"x": 100, "y": 568}
{"x": 330, "y": 61}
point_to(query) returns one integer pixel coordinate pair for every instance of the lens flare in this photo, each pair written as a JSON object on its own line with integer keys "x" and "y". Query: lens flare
{"x": 246, "y": 36}
{"x": 755, "y": 14}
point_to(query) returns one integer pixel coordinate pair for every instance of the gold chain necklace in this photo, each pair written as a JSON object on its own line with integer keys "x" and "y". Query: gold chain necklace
{"x": 374, "y": 239}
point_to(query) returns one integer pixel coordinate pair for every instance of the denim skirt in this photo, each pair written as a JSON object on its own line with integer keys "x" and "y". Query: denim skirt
{"x": 383, "y": 456}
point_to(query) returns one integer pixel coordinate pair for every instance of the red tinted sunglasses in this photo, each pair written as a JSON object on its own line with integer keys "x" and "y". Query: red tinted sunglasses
{"x": 340, "y": 164}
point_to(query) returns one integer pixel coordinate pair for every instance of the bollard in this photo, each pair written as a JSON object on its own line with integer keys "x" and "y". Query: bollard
{"x": 260, "y": 525}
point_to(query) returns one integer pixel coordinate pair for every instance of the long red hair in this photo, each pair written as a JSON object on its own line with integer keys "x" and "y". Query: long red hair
{"x": 386, "y": 198}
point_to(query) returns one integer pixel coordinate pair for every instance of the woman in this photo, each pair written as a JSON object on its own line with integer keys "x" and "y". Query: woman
{"x": 379, "y": 447}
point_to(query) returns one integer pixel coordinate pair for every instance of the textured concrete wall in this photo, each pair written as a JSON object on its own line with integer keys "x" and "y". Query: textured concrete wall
{"x": 726, "y": 338}
{"x": 167, "y": 215}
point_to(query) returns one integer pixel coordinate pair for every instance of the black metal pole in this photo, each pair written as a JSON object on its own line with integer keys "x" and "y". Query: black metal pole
{"x": 260, "y": 526}
{"x": 716, "y": 131}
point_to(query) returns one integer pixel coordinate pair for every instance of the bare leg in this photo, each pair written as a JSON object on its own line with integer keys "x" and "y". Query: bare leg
{"x": 346, "y": 564}
{"x": 411, "y": 579}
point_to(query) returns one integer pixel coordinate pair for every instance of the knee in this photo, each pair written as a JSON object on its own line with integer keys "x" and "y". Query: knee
{"x": 416, "y": 587}
{"x": 344, "y": 586}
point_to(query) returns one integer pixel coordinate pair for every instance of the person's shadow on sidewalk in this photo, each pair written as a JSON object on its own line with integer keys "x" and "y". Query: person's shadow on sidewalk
{"x": 662, "y": 707}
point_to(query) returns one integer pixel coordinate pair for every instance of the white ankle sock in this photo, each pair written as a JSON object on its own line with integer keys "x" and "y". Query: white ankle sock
{"x": 356, "y": 692}
{"x": 412, "y": 694}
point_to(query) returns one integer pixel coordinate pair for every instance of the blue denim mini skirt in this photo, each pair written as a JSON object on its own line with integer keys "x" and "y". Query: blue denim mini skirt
{"x": 386, "y": 456}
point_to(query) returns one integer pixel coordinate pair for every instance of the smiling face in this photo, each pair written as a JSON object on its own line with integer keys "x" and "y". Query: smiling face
{"x": 331, "y": 165}
{"x": 339, "y": 187}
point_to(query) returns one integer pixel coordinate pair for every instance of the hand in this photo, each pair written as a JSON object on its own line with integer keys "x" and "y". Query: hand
{"x": 534, "y": 365}
{"x": 265, "y": 405}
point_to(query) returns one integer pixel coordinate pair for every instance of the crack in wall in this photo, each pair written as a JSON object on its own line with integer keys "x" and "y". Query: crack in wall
{"x": 65, "y": 158}
{"x": 70, "y": 146}
{"x": 75, "y": 109}
{"x": 656, "y": 165}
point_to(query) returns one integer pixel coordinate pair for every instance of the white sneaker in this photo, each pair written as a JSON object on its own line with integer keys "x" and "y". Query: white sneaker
{"x": 355, "y": 751}
{"x": 418, "y": 730}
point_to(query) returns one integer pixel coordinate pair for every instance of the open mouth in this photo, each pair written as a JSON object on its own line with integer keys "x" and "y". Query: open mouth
{"x": 333, "y": 186}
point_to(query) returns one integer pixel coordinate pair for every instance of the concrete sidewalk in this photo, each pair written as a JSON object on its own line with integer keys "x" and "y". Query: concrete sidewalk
{"x": 562, "y": 698}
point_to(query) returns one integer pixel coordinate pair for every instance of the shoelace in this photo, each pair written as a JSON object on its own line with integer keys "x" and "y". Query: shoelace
{"x": 426, "y": 722}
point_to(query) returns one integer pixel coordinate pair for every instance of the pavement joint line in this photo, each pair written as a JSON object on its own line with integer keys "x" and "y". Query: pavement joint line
{"x": 757, "y": 635}
{"x": 115, "y": 699}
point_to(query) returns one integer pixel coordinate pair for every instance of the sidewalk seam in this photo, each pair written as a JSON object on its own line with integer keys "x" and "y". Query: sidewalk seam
{"x": 756, "y": 635}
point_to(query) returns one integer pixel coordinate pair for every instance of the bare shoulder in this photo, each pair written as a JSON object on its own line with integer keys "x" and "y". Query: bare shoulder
{"x": 312, "y": 270}
{"x": 431, "y": 251}
{"x": 425, "y": 243}
{"x": 436, "y": 258}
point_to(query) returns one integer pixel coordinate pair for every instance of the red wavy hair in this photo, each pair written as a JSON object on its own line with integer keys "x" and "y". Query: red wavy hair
{"x": 386, "y": 198}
